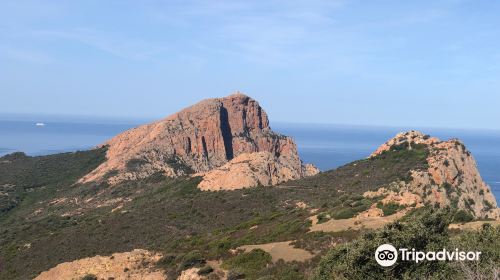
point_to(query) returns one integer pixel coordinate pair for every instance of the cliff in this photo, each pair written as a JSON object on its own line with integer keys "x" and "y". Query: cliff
{"x": 198, "y": 139}
{"x": 451, "y": 177}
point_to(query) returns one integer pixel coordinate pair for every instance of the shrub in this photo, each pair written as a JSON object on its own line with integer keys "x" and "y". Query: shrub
{"x": 235, "y": 275}
{"x": 89, "y": 277}
{"x": 448, "y": 188}
{"x": 389, "y": 208}
{"x": 486, "y": 241}
{"x": 344, "y": 213}
{"x": 191, "y": 259}
{"x": 462, "y": 216}
{"x": 323, "y": 217}
{"x": 424, "y": 229}
{"x": 488, "y": 205}
{"x": 205, "y": 270}
{"x": 248, "y": 264}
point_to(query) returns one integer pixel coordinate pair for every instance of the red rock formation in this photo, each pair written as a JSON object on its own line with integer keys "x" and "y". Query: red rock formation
{"x": 255, "y": 169}
{"x": 199, "y": 138}
{"x": 452, "y": 177}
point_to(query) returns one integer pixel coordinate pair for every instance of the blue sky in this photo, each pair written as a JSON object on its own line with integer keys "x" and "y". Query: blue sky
{"x": 403, "y": 63}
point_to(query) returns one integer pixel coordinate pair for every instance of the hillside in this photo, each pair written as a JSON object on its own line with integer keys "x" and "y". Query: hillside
{"x": 51, "y": 216}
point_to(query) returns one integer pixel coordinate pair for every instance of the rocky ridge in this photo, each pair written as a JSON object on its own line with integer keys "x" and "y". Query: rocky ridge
{"x": 199, "y": 139}
{"x": 452, "y": 177}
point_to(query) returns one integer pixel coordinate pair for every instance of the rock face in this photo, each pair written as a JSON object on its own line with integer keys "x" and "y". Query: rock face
{"x": 197, "y": 139}
{"x": 452, "y": 177}
{"x": 255, "y": 169}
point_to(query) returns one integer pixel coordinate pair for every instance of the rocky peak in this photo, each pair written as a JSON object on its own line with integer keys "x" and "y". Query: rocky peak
{"x": 409, "y": 138}
{"x": 452, "y": 177}
{"x": 197, "y": 139}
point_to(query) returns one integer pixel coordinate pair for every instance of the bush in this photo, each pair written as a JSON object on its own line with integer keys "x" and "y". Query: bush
{"x": 389, "y": 208}
{"x": 89, "y": 277}
{"x": 191, "y": 259}
{"x": 248, "y": 264}
{"x": 235, "y": 275}
{"x": 486, "y": 241}
{"x": 344, "y": 213}
{"x": 462, "y": 216}
{"x": 205, "y": 270}
{"x": 166, "y": 261}
{"x": 488, "y": 205}
{"x": 323, "y": 217}
{"x": 424, "y": 229}
{"x": 282, "y": 271}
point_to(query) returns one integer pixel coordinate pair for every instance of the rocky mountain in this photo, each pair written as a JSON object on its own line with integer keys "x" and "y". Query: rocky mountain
{"x": 451, "y": 176}
{"x": 215, "y": 133}
{"x": 52, "y": 228}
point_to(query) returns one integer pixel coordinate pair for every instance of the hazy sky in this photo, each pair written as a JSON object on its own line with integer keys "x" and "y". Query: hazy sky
{"x": 404, "y": 63}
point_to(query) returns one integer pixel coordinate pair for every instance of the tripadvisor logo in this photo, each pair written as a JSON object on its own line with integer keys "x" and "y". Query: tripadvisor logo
{"x": 387, "y": 255}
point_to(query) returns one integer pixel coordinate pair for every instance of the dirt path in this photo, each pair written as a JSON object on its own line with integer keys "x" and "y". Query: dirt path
{"x": 354, "y": 223}
{"x": 281, "y": 250}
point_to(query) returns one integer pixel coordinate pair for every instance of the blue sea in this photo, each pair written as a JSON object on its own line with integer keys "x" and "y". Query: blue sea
{"x": 327, "y": 146}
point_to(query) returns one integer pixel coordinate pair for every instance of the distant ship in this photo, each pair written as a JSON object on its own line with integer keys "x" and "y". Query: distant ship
{"x": 40, "y": 124}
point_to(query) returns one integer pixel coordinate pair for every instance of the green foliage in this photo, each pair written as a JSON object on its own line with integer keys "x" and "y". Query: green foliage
{"x": 462, "y": 216}
{"x": 21, "y": 175}
{"x": 191, "y": 259}
{"x": 448, "y": 188}
{"x": 249, "y": 264}
{"x": 389, "y": 208}
{"x": 488, "y": 205}
{"x": 344, "y": 213}
{"x": 235, "y": 275}
{"x": 486, "y": 241}
{"x": 205, "y": 270}
{"x": 282, "y": 271}
{"x": 349, "y": 206}
{"x": 370, "y": 174}
{"x": 424, "y": 230}
{"x": 323, "y": 217}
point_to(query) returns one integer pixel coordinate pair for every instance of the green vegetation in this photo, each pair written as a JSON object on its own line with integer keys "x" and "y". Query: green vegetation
{"x": 21, "y": 174}
{"x": 190, "y": 227}
{"x": 425, "y": 230}
{"x": 390, "y": 208}
{"x": 462, "y": 216}
{"x": 348, "y": 206}
{"x": 488, "y": 205}
{"x": 323, "y": 217}
{"x": 205, "y": 270}
{"x": 369, "y": 174}
{"x": 248, "y": 264}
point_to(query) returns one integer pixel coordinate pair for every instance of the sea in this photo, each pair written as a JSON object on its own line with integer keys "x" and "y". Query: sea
{"x": 327, "y": 146}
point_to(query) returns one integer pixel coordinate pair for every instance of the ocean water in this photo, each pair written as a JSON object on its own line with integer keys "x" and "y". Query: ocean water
{"x": 327, "y": 146}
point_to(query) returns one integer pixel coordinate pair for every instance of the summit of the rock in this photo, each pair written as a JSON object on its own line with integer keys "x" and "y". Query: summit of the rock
{"x": 197, "y": 139}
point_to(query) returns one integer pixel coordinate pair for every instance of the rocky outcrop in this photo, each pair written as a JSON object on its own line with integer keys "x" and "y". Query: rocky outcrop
{"x": 452, "y": 177}
{"x": 195, "y": 140}
{"x": 138, "y": 264}
{"x": 255, "y": 169}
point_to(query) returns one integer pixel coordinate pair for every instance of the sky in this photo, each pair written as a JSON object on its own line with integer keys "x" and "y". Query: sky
{"x": 401, "y": 63}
